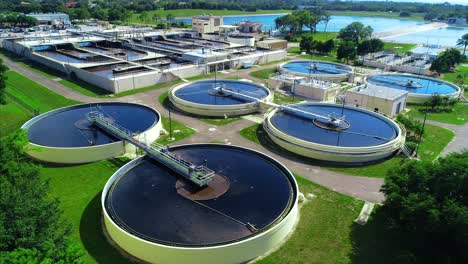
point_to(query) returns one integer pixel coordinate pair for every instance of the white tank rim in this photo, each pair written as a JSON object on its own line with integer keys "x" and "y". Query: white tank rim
{"x": 87, "y": 154}
{"x": 275, "y": 225}
{"x": 415, "y": 98}
{"x": 393, "y": 144}
{"x": 204, "y": 109}
{"x": 320, "y": 76}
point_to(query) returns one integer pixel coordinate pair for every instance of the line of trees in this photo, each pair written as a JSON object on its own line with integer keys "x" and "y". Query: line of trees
{"x": 16, "y": 20}
{"x": 308, "y": 45}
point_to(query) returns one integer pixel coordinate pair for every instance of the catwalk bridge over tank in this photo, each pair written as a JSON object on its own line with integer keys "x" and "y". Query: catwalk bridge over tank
{"x": 199, "y": 175}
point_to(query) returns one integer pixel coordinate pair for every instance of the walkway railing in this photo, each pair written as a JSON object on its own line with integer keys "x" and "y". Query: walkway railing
{"x": 197, "y": 174}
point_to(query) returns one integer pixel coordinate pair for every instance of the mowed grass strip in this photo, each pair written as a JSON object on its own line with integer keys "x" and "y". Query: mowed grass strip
{"x": 458, "y": 115}
{"x": 34, "y": 95}
{"x": 12, "y": 116}
{"x": 78, "y": 187}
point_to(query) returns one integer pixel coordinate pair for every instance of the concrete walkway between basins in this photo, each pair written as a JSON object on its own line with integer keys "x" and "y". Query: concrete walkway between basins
{"x": 364, "y": 188}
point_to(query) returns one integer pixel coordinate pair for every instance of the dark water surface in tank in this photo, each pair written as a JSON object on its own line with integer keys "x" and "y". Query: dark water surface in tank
{"x": 365, "y": 129}
{"x": 412, "y": 84}
{"x": 69, "y": 128}
{"x": 145, "y": 201}
{"x": 201, "y": 92}
{"x": 315, "y": 67}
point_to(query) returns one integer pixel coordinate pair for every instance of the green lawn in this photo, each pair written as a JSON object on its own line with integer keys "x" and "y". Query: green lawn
{"x": 323, "y": 234}
{"x": 79, "y": 189}
{"x": 263, "y": 74}
{"x": 452, "y": 77}
{"x": 179, "y": 131}
{"x": 458, "y": 116}
{"x": 414, "y": 16}
{"x": 282, "y": 99}
{"x": 399, "y": 47}
{"x": 319, "y": 36}
{"x": 434, "y": 142}
{"x": 320, "y": 57}
{"x": 34, "y": 95}
{"x": 12, "y": 116}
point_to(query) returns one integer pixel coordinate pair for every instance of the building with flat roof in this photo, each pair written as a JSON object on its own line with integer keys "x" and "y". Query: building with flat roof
{"x": 51, "y": 18}
{"x": 376, "y": 98}
{"x": 206, "y": 24}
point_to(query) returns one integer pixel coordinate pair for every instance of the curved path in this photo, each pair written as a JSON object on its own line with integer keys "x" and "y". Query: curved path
{"x": 360, "y": 187}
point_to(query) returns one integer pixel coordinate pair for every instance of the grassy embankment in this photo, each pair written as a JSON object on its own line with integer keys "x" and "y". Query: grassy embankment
{"x": 25, "y": 99}
{"x": 434, "y": 142}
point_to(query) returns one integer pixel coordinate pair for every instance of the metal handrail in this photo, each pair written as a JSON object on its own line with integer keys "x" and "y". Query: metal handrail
{"x": 197, "y": 174}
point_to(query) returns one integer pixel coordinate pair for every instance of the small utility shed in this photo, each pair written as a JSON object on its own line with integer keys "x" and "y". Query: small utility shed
{"x": 273, "y": 44}
{"x": 376, "y": 98}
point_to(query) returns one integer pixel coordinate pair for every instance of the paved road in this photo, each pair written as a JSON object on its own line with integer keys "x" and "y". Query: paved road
{"x": 459, "y": 142}
{"x": 360, "y": 187}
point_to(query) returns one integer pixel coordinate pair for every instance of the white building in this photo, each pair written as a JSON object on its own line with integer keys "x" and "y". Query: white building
{"x": 51, "y": 18}
{"x": 376, "y": 98}
{"x": 207, "y": 24}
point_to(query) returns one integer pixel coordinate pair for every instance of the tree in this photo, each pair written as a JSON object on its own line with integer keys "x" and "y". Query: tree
{"x": 346, "y": 51}
{"x": 307, "y": 43}
{"x": 156, "y": 17}
{"x": 169, "y": 18}
{"x": 463, "y": 42}
{"x": 355, "y": 32}
{"x": 328, "y": 46}
{"x": 429, "y": 202}
{"x": 325, "y": 19}
{"x": 405, "y": 14}
{"x": 29, "y": 217}
{"x": 144, "y": 16}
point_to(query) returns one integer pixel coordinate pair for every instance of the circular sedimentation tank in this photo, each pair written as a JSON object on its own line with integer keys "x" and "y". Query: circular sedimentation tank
{"x": 317, "y": 69}
{"x": 420, "y": 89}
{"x": 341, "y": 134}
{"x": 246, "y": 211}
{"x": 219, "y": 98}
{"x": 65, "y": 135}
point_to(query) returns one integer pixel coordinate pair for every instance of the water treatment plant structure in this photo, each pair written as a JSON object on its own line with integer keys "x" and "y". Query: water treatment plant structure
{"x": 420, "y": 88}
{"x": 330, "y": 71}
{"x": 155, "y": 215}
{"x": 220, "y": 98}
{"x": 65, "y": 136}
{"x": 122, "y": 60}
{"x": 336, "y": 133}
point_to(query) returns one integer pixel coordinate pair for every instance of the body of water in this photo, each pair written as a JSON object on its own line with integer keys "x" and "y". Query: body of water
{"x": 440, "y": 36}
{"x": 336, "y": 23}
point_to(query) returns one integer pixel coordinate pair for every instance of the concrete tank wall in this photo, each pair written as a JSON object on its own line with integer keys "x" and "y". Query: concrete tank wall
{"x": 231, "y": 253}
{"x": 215, "y": 110}
{"x": 335, "y": 153}
{"x": 246, "y": 41}
{"x": 85, "y": 154}
{"x": 330, "y": 77}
